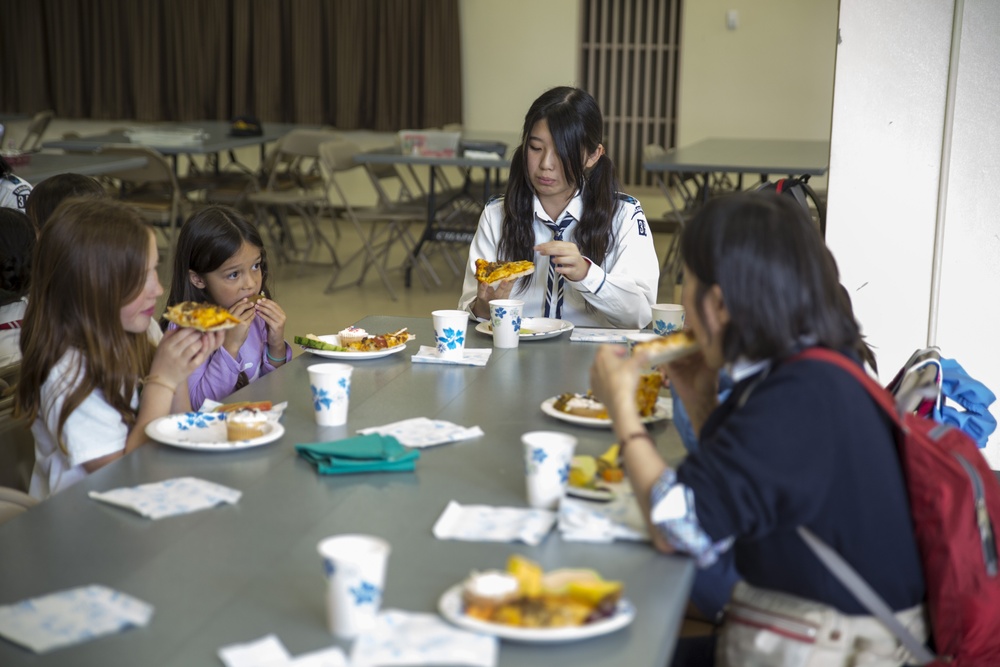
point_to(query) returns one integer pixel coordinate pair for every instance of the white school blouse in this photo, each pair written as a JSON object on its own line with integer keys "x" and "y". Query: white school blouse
{"x": 619, "y": 292}
{"x": 94, "y": 429}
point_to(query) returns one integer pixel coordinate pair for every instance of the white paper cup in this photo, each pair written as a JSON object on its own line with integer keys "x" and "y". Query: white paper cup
{"x": 449, "y": 332}
{"x": 667, "y": 318}
{"x": 331, "y": 392}
{"x": 547, "y": 457}
{"x": 355, "y": 578}
{"x": 505, "y": 317}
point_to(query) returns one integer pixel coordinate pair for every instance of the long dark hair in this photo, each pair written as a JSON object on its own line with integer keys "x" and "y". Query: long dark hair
{"x": 779, "y": 280}
{"x": 47, "y": 195}
{"x": 90, "y": 261}
{"x": 209, "y": 238}
{"x": 577, "y": 129}
{"x": 17, "y": 243}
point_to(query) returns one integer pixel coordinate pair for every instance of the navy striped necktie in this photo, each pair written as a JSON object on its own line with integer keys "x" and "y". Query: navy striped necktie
{"x": 555, "y": 281}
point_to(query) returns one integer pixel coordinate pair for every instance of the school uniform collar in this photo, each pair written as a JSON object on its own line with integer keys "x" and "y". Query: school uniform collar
{"x": 743, "y": 368}
{"x": 574, "y": 209}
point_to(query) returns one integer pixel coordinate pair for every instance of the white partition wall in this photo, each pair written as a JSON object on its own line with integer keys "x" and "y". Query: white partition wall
{"x": 890, "y": 133}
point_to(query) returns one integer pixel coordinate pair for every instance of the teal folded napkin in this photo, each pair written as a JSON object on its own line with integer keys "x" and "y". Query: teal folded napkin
{"x": 363, "y": 453}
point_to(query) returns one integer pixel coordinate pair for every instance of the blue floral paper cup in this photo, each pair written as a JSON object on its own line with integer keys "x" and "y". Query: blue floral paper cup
{"x": 547, "y": 458}
{"x": 331, "y": 392}
{"x": 667, "y": 318}
{"x": 354, "y": 566}
{"x": 505, "y": 319}
{"x": 449, "y": 333}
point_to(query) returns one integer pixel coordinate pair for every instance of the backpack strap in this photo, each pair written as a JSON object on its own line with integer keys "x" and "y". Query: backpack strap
{"x": 827, "y": 555}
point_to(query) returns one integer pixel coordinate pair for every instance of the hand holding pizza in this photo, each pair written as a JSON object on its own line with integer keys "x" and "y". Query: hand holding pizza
{"x": 569, "y": 261}
{"x": 485, "y": 294}
{"x": 274, "y": 318}
{"x": 244, "y": 310}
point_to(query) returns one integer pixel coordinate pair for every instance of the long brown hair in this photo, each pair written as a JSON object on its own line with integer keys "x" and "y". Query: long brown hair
{"x": 90, "y": 261}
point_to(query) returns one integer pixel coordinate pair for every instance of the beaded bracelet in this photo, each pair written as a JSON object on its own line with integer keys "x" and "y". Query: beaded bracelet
{"x": 156, "y": 379}
{"x": 267, "y": 351}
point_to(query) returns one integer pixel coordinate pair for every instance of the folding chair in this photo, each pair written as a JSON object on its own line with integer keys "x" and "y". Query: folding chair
{"x": 294, "y": 185}
{"x": 671, "y": 221}
{"x": 36, "y": 129}
{"x": 379, "y": 228}
{"x": 153, "y": 189}
{"x": 17, "y": 444}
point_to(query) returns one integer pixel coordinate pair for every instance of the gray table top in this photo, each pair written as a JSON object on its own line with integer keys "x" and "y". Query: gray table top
{"x": 44, "y": 165}
{"x": 393, "y": 154}
{"x": 747, "y": 156}
{"x": 233, "y": 574}
{"x": 218, "y": 138}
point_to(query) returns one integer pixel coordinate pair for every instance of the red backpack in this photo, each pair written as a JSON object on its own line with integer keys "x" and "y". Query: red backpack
{"x": 955, "y": 501}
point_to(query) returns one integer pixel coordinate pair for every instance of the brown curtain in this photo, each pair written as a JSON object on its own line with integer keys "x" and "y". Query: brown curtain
{"x": 375, "y": 64}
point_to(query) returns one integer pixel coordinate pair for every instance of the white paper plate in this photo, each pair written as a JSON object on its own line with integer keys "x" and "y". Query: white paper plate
{"x": 662, "y": 410}
{"x": 598, "y": 495}
{"x": 334, "y": 339}
{"x": 539, "y": 328}
{"x": 450, "y": 606}
{"x": 206, "y": 432}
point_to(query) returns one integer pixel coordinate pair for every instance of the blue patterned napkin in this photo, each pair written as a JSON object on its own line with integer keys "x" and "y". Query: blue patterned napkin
{"x": 473, "y": 356}
{"x": 406, "y": 638}
{"x": 620, "y": 519}
{"x": 71, "y": 617}
{"x": 270, "y": 652}
{"x": 482, "y": 523}
{"x": 590, "y": 335}
{"x": 424, "y": 432}
{"x": 170, "y": 497}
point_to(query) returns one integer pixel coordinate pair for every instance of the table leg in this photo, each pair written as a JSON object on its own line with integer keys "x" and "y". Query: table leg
{"x": 428, "y": 229}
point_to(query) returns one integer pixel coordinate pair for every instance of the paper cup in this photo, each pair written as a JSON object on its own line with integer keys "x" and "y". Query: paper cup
{"x": 355, "y": 578}
{"x": 547, "y": 457}
{"x": 505, "y": 317}
{"x": 667, "y": 318}
{"x": 449, "y": 332}
{"x": 331, "y": 392}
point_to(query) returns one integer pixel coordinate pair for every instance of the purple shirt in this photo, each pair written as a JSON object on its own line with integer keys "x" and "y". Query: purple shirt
{"x": 216, "y": 378}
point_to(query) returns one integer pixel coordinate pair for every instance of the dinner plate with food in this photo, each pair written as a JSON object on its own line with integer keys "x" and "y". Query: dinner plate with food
{"x": 200, "y": 316}
{"x": 534, "y": 328}
{"x": 596, "y": 478}
{"x": 243, "y": 428}
{"x": 355, "y": 343}
{"x": 524, "y": 604}
{"x": 585, "y": 410}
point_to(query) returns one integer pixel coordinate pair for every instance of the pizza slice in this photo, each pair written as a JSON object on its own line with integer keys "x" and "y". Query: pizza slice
{"x": 492, "y": 273}
{"x": 200, "y": 316}
{"x": 668, "y": 348}
{"x": 380, "y": 341}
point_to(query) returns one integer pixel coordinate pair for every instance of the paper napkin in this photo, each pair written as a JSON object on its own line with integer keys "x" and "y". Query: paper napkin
{"x": 473, "y": 356}
{"x": 405, "y": 638}
{"x": 170, "y": 497}
{"x": 620, "y": 519}
{"x": 71, "y": 617}
{"x": 483, "y": 523}
{"x": 591, "y": 335}
{"x": 424, "y": 432}
{"x": 270, "y": 652}
{"x": 363, "y": 453}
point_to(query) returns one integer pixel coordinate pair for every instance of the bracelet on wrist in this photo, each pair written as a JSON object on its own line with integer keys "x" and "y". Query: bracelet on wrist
{"x": 267, "y": 351}
{"x": 156, "y": 379}
{"x": 638, "y": 435}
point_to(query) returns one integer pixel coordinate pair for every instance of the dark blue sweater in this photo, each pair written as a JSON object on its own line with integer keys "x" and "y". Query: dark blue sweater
{"x": 808, "y": 447}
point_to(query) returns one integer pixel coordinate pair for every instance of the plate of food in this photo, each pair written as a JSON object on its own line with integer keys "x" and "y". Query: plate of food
{"x": 534, "y": 328}
{"x": 526, "y": 605}
{"x": 596, "y": 478}
{"x": 585, "y": 410}
{"x": 216, "y": 431}
{"x": 200, "y": 316}
{"x": 354, "y": 343}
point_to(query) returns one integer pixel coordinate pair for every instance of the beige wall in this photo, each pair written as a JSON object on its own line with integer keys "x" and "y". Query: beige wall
{"x": 512, "y": 51}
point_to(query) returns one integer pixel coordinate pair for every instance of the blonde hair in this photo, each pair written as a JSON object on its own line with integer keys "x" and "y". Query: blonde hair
{"x": 90, "y": 261}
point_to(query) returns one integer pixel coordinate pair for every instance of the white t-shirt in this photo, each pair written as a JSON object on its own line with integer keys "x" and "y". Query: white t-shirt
{"x": 619, "y": 292}
{"x": 14, "y": 192}
{"x": 94, "y": 429}
{"x": 10, "y": 339}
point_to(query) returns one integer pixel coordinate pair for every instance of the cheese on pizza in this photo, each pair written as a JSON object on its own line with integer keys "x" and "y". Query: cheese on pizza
{"x": 201, "y": 316}
{"x": 494, "y": 272}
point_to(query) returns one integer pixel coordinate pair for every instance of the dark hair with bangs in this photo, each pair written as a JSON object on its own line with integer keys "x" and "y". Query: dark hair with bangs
{"x": 577, "y": 129}
{"x": 17, "y": 244}
{"x": 779, "y": 281}
{"x": 47, "y": 195}
{"x": 90, "y": 261}
{"x": 207, "y": 240}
